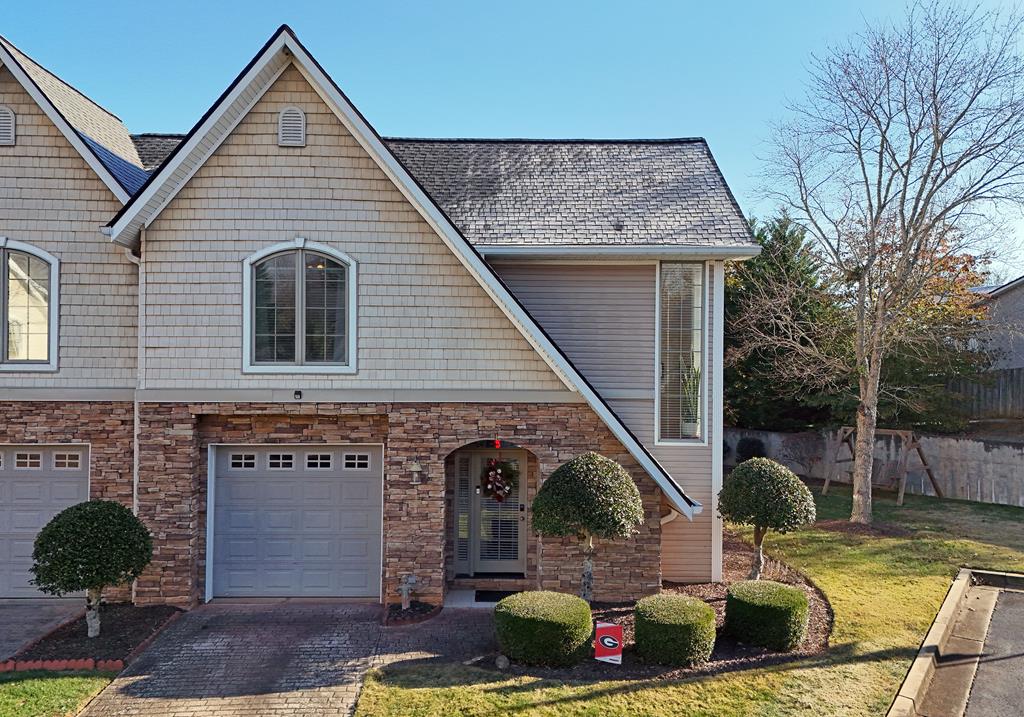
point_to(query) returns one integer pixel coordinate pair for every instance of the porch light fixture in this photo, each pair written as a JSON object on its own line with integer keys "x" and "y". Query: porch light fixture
{"x": 417, "y": 471}
{"x": 297, "y": 395}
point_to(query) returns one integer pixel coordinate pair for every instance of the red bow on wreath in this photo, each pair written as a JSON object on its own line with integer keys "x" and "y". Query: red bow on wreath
{"x": 499, "y": 479}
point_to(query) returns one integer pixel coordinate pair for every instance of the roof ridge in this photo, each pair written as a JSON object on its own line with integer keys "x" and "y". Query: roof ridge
{"x": 166, "y": 135}
{"x": 60, "y": 79}
{"x": 541, "y": 140}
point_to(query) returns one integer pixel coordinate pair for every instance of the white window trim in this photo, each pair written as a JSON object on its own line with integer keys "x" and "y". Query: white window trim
{"x": 704, "y": 437}
{"x": 28, "y": 453}
{"x": 248, "y": 365}
{"x": 54, "y": 318}
{"x": 53, "y": 457}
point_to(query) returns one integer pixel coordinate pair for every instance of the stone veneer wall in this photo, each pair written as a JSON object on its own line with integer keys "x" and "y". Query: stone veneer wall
{"x": 106, "y": 426}
{"x": 172, "y": 483}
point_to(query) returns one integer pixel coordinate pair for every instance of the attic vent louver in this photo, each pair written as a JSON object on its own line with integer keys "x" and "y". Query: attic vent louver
{"x": 6, "y": 125}
{"x": 291, "y": 128}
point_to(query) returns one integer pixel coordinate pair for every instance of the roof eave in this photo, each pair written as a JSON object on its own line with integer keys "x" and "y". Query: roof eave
{"x": 630, "y": 251}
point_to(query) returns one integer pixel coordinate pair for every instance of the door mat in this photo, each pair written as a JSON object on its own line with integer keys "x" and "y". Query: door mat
{"x": 493, "y": 595}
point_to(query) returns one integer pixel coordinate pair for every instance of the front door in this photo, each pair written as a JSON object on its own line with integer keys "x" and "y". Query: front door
{"x": 490, "y": 534}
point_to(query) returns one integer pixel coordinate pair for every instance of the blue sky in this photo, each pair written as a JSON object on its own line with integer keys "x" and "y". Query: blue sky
{"x": 721, "y": 70}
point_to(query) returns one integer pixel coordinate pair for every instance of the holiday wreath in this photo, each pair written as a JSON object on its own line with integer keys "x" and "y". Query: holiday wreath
{"x": 499, "y": 479}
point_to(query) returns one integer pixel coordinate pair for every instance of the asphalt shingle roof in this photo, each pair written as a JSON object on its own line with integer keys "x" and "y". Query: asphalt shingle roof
{"x": 100, "y": 129}
{"x": 583, "y": 192}
{"x": 153, "y": 148}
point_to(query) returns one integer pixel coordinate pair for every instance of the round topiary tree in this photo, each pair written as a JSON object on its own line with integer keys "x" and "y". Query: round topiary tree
{"x": 590, "y": 497}
{"x": 90, "y": 546}
{"x": 768, "y": 496}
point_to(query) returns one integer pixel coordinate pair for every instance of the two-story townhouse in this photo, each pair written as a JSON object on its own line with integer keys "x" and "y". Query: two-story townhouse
{"x": 327, "y": 334}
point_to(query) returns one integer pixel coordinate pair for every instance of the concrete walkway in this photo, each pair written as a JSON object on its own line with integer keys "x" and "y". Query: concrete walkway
{"x": 278, "y": 660}
{"x": 24, "y": 620}
{"x": 997, "y": 684}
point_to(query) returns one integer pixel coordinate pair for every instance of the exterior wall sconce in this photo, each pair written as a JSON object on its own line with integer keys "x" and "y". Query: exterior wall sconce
{"x": 417, "y": 472}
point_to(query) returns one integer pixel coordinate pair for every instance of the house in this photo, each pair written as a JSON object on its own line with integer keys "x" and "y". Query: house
{"x": 1006, "y": 313}
{"x": 291, "y": 344}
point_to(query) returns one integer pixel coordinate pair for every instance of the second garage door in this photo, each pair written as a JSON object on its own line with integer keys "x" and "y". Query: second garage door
{"x": 297, "y": 521}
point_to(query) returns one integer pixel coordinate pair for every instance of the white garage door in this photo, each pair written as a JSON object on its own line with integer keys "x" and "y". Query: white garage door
{"x": 36, "y": 483}
{"x": 297, "y": 521}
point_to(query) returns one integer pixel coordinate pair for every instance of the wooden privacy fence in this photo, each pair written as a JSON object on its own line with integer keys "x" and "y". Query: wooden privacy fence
{"x": 1002, "y": 396}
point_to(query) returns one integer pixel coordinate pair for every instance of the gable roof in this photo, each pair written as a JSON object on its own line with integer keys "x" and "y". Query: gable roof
{"x": 580, "y": 192}
{"x": 98, "y": 135}
{"x": 282, "y": 50}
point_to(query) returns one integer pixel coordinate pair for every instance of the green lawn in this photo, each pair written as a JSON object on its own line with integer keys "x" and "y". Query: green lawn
{"x": 48, "y": 694}
{"x": 885, "y": 592}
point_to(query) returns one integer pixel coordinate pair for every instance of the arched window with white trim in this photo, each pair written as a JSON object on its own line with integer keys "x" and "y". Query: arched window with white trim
{"x": 28, "y": 309}
{"x": 300, "y": 310}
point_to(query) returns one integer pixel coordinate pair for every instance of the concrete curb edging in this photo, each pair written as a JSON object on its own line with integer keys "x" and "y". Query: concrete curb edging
{"x": 919, "y": 675}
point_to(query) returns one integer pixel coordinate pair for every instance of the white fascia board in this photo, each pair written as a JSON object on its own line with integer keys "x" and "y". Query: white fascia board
{"x": 442, "y": 226}
{"x": 66, "y": 129}
{"x": 141, "y": 205}
{"x": 1008, "y": 286}
{"x": 460, "y": 247}
{"x": 647, "y": 251}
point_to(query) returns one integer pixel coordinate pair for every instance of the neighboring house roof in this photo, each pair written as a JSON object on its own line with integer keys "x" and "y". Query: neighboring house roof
{"x": 1004, "y": 288}
{"x": 98, "y": 135}
{"x": 282, "y": 50}
{"x": 579, "y": 192}
{"x": 586, "y": 193}
{"x": 154, "y": 147}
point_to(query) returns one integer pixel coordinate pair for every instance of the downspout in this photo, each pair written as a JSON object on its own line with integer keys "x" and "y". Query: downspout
{"x": 672, "y": 515}
{"x": 135, "y": 394}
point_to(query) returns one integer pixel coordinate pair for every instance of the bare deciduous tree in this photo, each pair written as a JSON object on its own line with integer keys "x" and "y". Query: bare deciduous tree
{"x": 908, "y": 144}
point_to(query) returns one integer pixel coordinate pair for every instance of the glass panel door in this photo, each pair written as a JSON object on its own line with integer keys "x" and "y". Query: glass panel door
{"x": 500, "y": 525}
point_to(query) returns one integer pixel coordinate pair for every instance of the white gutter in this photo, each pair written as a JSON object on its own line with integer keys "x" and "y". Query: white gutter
{"x": 650, "y": 251}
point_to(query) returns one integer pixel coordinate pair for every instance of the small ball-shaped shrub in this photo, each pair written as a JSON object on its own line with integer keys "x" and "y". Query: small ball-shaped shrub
{"x": 764, "y": 493}
{"x": 588, "y": 495}
{"x": 766, "y": 613}
{"x": 543, "y": 628}
{"x": 674, "y": 630}
{"x": 90, "y": 546}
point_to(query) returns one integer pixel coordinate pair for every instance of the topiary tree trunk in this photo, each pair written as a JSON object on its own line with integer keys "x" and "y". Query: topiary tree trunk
{"x": 758, "y": 566}
{"x": 587, "y": 578}
{"x": 92, "y": 611}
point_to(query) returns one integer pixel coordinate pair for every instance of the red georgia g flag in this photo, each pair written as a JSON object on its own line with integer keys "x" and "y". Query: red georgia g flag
{"x": 608, "y": 643}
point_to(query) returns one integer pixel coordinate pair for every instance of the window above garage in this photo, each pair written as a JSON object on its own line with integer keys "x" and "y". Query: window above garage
{"x": 28, "y": 307}
{"x": 300, "y": 310}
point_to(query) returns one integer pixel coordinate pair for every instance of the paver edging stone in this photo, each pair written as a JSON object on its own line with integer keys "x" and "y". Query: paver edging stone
{"x": 85, "y": 664}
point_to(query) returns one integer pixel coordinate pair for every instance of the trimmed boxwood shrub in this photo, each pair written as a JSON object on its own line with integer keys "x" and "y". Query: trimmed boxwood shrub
{"x": 543, "y": 628}
{"x": 766, "y": 613}
{"x": 674, "y": 630}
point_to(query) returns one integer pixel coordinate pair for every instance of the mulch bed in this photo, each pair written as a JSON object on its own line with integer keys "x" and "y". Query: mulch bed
{"x": 123, "y": 627}
{"x": 417, "y": 612}
{"x": 729, "y": 655}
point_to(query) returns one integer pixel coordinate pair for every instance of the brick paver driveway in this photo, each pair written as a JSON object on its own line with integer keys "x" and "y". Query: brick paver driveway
{"x": 25, "y": 620}
{"x": 281, "y": 660}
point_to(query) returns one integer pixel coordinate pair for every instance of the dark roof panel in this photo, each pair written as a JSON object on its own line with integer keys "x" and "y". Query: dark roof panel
{"x": 584, "y": 192}
{"x": 153, "y": 148}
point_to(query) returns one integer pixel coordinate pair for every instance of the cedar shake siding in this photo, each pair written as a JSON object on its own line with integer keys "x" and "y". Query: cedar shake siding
{"x": 423, "y": 321}
{"x": 51, "y": 198}
{"x": 172, "y": 496}
{"x": 603, "y": 317}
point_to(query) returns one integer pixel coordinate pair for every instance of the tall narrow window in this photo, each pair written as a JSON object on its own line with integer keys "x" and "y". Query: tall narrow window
{"x": 300, "y": 310}
{"x": 681, "y": 377}
{"x": 28, "y": 292}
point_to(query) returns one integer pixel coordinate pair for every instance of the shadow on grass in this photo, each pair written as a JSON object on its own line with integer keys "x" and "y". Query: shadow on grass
{"x": 435, "y": 673}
